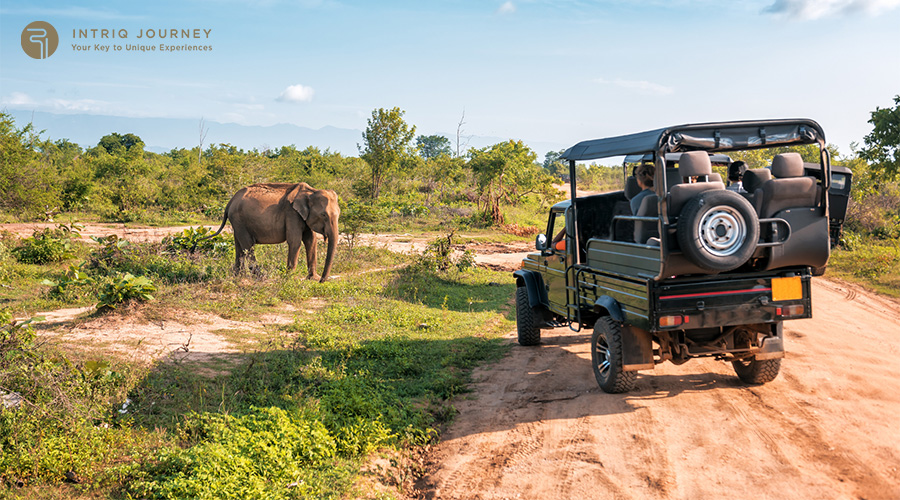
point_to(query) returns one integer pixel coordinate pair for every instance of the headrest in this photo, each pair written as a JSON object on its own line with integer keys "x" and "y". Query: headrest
{"x": 753, "y": 179}
{"x": 787, "y": 165}
{"x": 631, "y": 187}
{"x": 694, "y": 163}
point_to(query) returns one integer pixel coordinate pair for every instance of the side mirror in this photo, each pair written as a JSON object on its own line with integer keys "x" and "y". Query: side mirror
{"x": 540, "y": 243}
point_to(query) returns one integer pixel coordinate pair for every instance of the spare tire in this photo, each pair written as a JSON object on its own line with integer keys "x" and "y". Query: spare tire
{"x": 718, "y": 230}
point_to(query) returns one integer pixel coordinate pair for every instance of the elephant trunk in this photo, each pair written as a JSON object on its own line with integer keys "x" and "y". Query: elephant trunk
{"x": 332, "y": 236}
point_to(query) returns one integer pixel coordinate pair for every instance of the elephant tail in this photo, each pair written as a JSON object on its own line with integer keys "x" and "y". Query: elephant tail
{"x": 224, "y": 220}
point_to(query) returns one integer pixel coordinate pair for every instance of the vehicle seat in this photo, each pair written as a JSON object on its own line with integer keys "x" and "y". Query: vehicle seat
{"x": 672, "y": 177}
{"x": 789, "y": 188}
{"x": 752, "y": 182}
{"x": 644, "y": 231}
{"x": 632, "y": 188}
{"x": 692, "y": 164}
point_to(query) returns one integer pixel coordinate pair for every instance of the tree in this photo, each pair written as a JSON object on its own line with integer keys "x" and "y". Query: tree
{"x": 116, "y": 144}
{"x": 883, "y": 143}
{"x": 386, "y": 144}
{"x": 506, "y": 172}
{"x": 26, "y": 185}
{"x": 433, "y": 146}
{"x": 555, "y": 165}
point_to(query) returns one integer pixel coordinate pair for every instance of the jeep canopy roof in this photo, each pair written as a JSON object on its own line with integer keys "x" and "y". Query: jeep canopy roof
{"x": 715, "y": 137}
{"x": 674, "y": 157}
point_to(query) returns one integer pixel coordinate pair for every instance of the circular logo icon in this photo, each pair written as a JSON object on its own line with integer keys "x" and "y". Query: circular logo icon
{"x": 39, "y": 40}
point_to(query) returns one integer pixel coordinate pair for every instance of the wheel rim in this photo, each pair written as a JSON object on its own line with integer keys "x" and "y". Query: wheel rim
{"x": 601, "y": 350}
{"x": 722, "y": 231}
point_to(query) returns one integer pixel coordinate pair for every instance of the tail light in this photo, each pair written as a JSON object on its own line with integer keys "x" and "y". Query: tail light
{"x": 790, "y": 311}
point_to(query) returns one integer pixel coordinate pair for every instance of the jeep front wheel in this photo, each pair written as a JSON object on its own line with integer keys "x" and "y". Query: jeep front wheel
{"x": 526, "y": 324}
{"x": 606, "y": 355}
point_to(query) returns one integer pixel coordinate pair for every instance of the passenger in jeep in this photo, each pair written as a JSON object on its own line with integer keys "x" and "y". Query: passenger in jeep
{"x": 644, "y": 176}
{"x": 735, "y": 177}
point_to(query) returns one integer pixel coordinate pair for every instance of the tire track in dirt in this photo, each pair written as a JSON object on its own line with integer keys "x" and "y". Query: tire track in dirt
{"x": 806, "y": 432}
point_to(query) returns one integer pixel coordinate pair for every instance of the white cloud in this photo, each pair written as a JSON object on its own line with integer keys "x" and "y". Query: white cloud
{"x": 91, "y": 106}
{"x": 815, "y": 9}
{"x": 18, "y": 99}
{"x": 640, "y": 85}
{"x": 296, "y": 93}
{"x": 507, "y": 8}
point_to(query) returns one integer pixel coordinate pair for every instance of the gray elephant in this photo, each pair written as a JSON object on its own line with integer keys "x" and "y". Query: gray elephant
{"x": 274, "y": 213}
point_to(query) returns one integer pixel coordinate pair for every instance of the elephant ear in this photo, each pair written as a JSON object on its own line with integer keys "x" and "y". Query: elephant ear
{"x": 300, "y": 202}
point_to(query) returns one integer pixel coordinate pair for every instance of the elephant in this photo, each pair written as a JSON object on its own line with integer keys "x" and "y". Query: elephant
{"x": 273, "y": 213}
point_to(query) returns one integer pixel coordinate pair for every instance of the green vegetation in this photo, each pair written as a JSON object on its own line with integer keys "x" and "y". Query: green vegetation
{"x": 869, "y": 252}
{"x": 370, "y": 368}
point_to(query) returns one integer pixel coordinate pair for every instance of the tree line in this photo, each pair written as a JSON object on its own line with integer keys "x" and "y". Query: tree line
{"x": 117, "y": 180}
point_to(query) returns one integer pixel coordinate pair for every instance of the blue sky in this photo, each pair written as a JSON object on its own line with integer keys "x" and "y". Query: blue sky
{"x": 539, "y": 70}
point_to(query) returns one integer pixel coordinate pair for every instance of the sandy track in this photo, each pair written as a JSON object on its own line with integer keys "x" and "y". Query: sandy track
{"x": 538, "y": 427}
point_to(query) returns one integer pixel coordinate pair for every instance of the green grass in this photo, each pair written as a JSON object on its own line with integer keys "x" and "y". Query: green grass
{"x": 370, "y": 362}
{"x": 872, "y": 262}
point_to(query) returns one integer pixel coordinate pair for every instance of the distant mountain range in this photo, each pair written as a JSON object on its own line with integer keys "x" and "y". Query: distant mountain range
{"x": 161, "y": 135}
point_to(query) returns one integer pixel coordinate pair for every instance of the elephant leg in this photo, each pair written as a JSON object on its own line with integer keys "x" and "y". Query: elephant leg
{"x": 309, "y": 241}
{"x": 243, "y": 253}
{"x": 252, "y": 265}
{"x": 293, "y": 254}
{"x": 238, "y": 258}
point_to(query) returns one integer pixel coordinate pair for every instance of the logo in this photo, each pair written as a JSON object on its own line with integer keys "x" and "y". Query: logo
{"x": 39, "y": 40}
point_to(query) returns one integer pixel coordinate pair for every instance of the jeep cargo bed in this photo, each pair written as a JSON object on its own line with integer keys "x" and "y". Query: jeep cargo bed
{"x": 690, "y": 303}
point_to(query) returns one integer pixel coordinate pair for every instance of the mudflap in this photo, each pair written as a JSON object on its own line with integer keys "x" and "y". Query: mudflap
{"x": 637, "y": 349}
{"x": 773, "y": 347}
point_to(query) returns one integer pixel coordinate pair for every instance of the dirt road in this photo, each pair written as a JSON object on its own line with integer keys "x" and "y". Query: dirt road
{"x": 538, "y": 427}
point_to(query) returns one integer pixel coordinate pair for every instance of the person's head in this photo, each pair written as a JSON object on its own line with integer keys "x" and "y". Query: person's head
{"x": 644, "y": 175}
{"x": 736, "y": 171}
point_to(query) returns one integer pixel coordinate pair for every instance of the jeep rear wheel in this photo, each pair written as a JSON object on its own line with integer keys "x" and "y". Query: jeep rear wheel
{"x": 718, "y": 230}
{"x": 526, "y": 324}
{"x": 756, "y": 371}
{"x": 606, "y": 355}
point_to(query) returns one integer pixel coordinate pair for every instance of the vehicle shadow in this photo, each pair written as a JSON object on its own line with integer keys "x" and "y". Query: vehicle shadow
{"x": 555, "y": 380}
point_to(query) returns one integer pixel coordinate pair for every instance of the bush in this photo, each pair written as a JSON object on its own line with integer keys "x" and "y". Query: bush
{"x": 124, "y": 288}
{"x": 267, "y": 453}
{"x": 198, "y": 239}
{"x": 439, "y": 255}
{"x": 53, "y": 425}
{"x": 47, "y": 245}
{"x": 876, "y": 214}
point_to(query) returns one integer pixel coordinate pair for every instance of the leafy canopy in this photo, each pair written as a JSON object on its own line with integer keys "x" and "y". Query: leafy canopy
{"x": 386, "y": 145}
{"x": 883, "y": 143}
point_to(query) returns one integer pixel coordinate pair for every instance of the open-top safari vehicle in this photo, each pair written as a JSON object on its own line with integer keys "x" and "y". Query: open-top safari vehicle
{"x": 698, "y": 270}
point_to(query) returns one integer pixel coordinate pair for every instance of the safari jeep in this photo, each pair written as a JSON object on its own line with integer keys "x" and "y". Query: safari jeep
{"x": 698, "y": 270}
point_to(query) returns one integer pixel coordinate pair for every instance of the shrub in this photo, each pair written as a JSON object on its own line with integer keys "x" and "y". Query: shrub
{"x": 877, "y": 214}
{"x": 123, "y": 288}
{"x": 53, "y": 425}
{"x": 47, "y": 245}
{"x": 439, "y": 255}
{"x": 197, "y": 240}
{"x": 266, "y": 453}
{"x": 74, "y": 284}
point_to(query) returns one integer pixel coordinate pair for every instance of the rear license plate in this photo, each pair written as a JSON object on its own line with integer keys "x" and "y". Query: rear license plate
{"x": 787, "y": 288}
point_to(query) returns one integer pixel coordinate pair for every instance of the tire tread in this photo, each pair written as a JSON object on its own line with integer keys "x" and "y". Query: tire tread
{"x": 526, "y": 325}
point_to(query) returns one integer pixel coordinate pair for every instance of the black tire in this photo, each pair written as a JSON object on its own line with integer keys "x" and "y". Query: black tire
{"x": 606, "y": 355}
{"x": 718, "y": 230}
{"x": 755, "y": 371}
{"x": 526, "y": 324}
